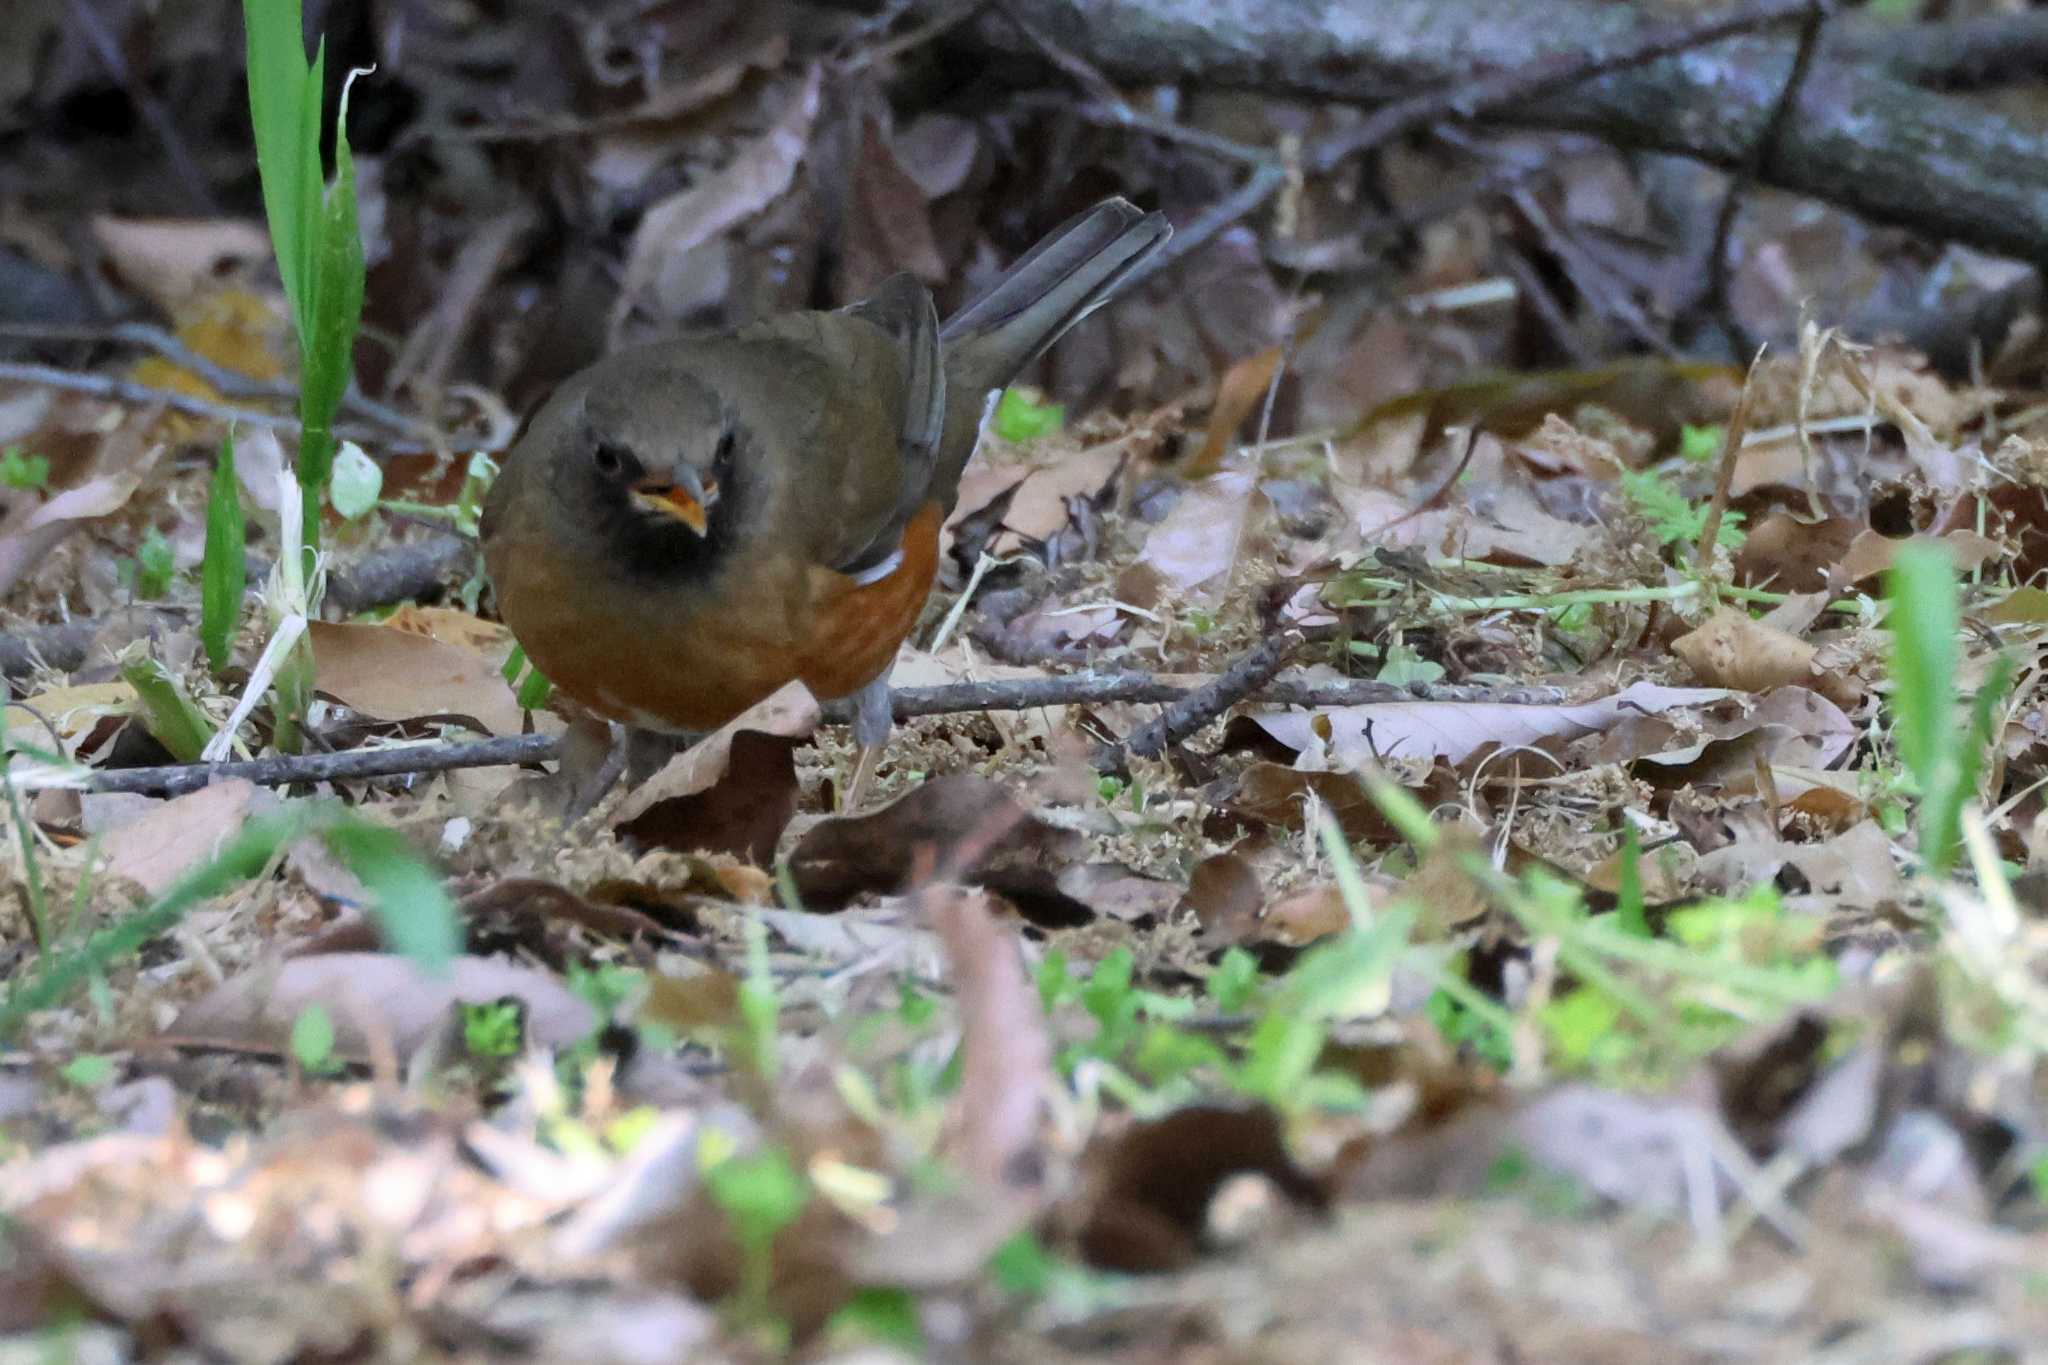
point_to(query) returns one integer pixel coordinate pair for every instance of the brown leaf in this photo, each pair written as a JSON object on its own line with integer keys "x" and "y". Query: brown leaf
{"x": 1870, "y": 554}
{"x": 388, "y": 674}
{"x": 1273, "y": 794}
{"x": 1197, "y": 545}
{"x": 994, "y": 1121}
{"x": 1040, "y": 499}
{"x": 32, "y": 529}
{"x": 175, "y": 837}
{"x": 960, "y": 827}
{"x": 376, "y": 1000}
{"x": 733, "y": 791}
{"x": 754, "y": 179}
{"x": 1733, "y": 650}
{"x": 1242, "y": 388}
{"x": 1790, "y": 555}
{"x": 1226, "y": 896}
{"x": 1150, "y": 1187}
{"x": 172, "y": 261}
{"x": 889, "y": 225}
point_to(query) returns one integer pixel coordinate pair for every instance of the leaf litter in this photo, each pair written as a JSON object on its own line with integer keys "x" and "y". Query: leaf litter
{"x": 1650, "y": 1037}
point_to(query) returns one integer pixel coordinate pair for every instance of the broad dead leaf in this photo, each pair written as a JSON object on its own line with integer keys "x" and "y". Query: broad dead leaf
{"x": 756, "y": 177}
{"x": 733, "y": 791}
{"x": 170, "y": 840}
{"x": 389, "y": 674}
{"x": 376, "y": 1001}
{"x": 1198, "y": 544}
{"x": 1454, "y": 731}
{"x": 960, "y": 827}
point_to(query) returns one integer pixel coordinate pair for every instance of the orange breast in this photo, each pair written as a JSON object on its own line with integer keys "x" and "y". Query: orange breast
{"x": 856, "y": 630}
{"x": 693, "y": 659}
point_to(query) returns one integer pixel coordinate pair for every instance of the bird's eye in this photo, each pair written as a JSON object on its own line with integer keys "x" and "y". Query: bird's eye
{"x": 723, "y": 454}
{"x": 610, "y": 460}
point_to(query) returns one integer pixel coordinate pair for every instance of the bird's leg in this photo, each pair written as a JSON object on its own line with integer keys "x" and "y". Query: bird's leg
{"x": 872, "y": 722}
{"x": 647, "y": 751}
{"x": 605, "y": 778}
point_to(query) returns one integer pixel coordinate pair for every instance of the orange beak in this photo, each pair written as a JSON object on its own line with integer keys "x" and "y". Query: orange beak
{"x": 686, "y": 499}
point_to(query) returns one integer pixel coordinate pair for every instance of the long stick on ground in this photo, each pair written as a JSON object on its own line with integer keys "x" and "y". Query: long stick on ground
{"x": 1193, "y": 704}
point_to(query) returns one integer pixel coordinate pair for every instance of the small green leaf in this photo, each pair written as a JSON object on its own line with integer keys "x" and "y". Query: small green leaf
{"x": 155, "y": 566}
{"x": 495, "y": 1029}
{"x": 356, "y": 482}
{"x": 881, "y": 1315}
{"x": 223, "y": 577}
{"x": 312, "y": 1041}
{"x": 88, "y": 1072}
{"x": 1697, "y": 445}
{"x": 411, "y": 906}
{"x": 1233, "y": 981}
{"x": 23, "y": 471}
{"x": 1020, "y": 418}
{"x": 1023, "y": 1267}
{"x": 762, "y": 1194}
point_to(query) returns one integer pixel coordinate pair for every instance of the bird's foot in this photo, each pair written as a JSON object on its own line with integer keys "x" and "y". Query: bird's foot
{"x": 872, "y": 723}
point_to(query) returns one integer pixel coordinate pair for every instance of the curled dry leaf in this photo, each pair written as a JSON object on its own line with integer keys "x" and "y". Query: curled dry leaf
{"x": 389, "y": 674}
{"x": 1454, "y": 731}
{"x": 1149, "y": 1188}
{"x": 1870, "y": 554}
{"x": 1730, "y": 649}
{"x": 1038, "y": 500}
{"x": 733, "y": 791}
{"x": 755, "y": 178}
{"x": 993, "y": 1123}
{"x": 960, "y": 827}
{"x": 1274, "y": 794}
{"x": 376, "y": 1000}
{"x": 1790, "y": 725}
{"x": 1198, "y": 544}
{"x": 173, "y": 261}
{"x": 31, "y": 529}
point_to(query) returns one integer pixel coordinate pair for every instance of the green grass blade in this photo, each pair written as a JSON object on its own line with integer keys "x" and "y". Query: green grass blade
{"x": 411, "y": 906}
{"x": 223, "y": 577}
{"x": 278, "y": 86}
{"x": 1924, "y": 619}
{"x": 172, "y": 718}
{"x": 55, "y": 976}
{"x": 336, "y": 313}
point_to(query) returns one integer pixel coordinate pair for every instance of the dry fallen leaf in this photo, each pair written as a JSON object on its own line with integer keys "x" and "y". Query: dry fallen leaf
{"x": 1730, "y": 649}
{"x": 389, "y": 674}
{"x": 168, "y": 841}
{"x": 375, "y": 1000}
{"x": 755, "y": 178}
{"x": 1454, "y": 731}
{"x": 733, "y": 791}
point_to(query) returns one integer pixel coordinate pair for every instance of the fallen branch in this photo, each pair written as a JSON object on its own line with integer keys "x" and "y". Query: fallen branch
{"x": 1878, "y": 146}
{"x": 1193, "y": 705}
{"x": 128, "y": 391}
{"x": 395, "y": 575}
{"x": 1523, "y": 81}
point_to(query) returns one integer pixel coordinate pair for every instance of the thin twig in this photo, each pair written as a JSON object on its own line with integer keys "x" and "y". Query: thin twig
{"x": 128, "y": 391}
{"x": 230, "y": 383}
{"x": 1193, "y": 705}
{"x": 1205, "y": 703}
{"x": 152, "y": 109}
{"x": 1755, "y": 168}
{"x": 1731, "y": 452}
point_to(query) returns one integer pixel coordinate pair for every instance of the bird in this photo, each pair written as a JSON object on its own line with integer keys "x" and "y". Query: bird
{"x": 686, "y": 526}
